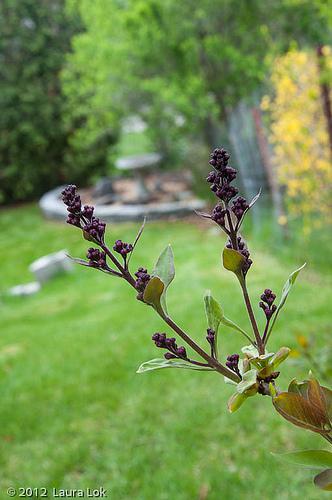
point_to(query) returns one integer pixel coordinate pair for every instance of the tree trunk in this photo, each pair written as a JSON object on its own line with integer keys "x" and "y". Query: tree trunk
{"x": 325, "y": 94}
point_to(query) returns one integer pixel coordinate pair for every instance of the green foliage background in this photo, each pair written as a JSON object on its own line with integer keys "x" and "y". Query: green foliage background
{"x": 36, "y": 147}
{"x": 71, "y": 70}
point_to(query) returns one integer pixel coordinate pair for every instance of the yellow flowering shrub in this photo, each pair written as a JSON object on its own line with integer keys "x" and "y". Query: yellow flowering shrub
{"x": 298, "y": 134}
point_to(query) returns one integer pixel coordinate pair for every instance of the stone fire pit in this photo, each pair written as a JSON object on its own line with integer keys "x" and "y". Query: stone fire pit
{"x": 147, "y": 193}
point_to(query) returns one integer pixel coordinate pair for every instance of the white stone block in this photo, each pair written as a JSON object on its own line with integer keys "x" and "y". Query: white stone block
{"x": 26, "y": 289}
{"x": 49, "y": 265}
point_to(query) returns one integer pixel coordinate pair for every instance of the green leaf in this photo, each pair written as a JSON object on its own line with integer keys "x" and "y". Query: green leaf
{"x": 251, "y": 204}
{"x": 164, "y": 269}
{"x": 158, "y": 363}
{"x": 235, "y": 401}
{"x": 324, "y": 480}
{"x": 328, "y": 399}
{"x": 250, "y": 351}
{"x": 300, "y": 388}
{"x": 233, "y": 261}
{"x": 213, "y": 311}
{"x": 307, "y": 458}
{"x": 249, "y": 380}
{"x": 230, "y": 324}
{"x": 153, "y": 293}
{"x": 284, "y": 294}
{"x": 255, "y": 198}
{"x": 139, "y": 234}
{"x": 300, "y": 412}
{"x": 279, "y": 356}
{"x": 215, "y": 316}
{"x": 306, "y": 390}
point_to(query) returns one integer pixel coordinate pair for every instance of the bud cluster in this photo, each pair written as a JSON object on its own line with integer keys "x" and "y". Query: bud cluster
{"x": 122, "y": 248}
{"x": 95, "y": 229}
{"x": 210, "y": 337}
{"x": 228, "y": 217}
{"x": 84, "y": 219}
{"x": 174, "y": 351}
{"x": 267, "y": 298}
{"x": 243, "y": 249}
{"x": 239, "y": 206}
{"x": 218, "y": 215}
{"x": 72, "y": 199}
{"x": 97, "y": 258}
{"x": 222, "y": 175}
{"x": 233, "y": 363}
{"x": 142, "y": 279}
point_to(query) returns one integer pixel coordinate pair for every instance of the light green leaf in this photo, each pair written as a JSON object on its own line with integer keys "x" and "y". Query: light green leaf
{"x": 213, "y": 311}
{"x": 284, "y": 294}
{"x": 250, "y": 351}
{"x": 230, "y": 324}
{"x": 215, "y": 316}
{"x": 324, "y": 480}
{"x": 153, "y": 292}
{"x": 279, "y": 356}
{"x": 248, "y": 381}
{"x": 229, "y": 381}
{"x": 235, "y": 401}
{"x": 251, "y": 204}
{"x": 158, "y": 363}
{"x": 233, "y": 261}
{"x": 316, "y": 459}
{"x": 165, "y": 270}
{"x": 139, "y": 234}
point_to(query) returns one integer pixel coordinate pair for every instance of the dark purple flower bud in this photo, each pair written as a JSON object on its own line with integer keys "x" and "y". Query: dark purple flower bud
{"x": 170, "y": 343}
{"x": 233, "y": 363}
{"x": 159, "y": 339}
{"x": 268, "y": 297}
{"x": 229, "y": 174}
{"x": 226, "y": 192}
{"x": 74, "y": 220}
{"x": 163, "y": 342}
{"x": 122, "y": 248}
{"x": 243, "y": 250}
{"x": 239, "y": 206}
{"x": 210, "y": 336}
{"x": 219, "y": 158}
{"x": 181, "y": 352}
{"x": 68, "y": 194}
{"x": 72, "y": 200}
{"x": 211, "y": 177}
{"x": 96, "y": 229}
{"x": 240, "y": 243}
{"x": 88, "y": 212}
{"x": 169, "y": 355}
{"x": 218, "y": 215}
{"x": 142, "y": 280}
{"x": 96, "y": 258}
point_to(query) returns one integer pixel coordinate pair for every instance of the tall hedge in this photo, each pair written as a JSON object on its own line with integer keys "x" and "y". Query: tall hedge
{"x": 35, "y": 138}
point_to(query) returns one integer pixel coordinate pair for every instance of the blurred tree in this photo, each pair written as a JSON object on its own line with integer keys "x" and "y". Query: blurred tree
{"x": 35, "y": 151}
{"x": 300, "y": 136}
{"x": 181, "y": 65}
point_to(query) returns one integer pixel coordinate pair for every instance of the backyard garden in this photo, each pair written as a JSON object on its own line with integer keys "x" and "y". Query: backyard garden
{"x": 133, "y": 103}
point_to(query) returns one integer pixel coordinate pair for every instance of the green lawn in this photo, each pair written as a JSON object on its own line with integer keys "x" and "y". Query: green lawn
{"x": 74, "y": 413}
